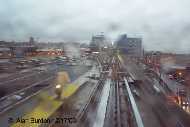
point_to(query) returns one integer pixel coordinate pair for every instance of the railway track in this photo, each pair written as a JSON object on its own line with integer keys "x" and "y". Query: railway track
{"x": 84, "y": 115}
{"x": 79, "y": 116}
{"x": 124, "y": 107}
{"x": 90, "y": 106}
{"x": 119, "y": 111}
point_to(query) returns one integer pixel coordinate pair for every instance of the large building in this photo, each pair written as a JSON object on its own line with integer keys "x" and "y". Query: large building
{"x": 98, "y": 42}
{"x": 130, "y": 45}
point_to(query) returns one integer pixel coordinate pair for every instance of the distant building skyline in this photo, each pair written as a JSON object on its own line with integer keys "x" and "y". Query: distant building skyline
{"x": 99, "y": 41}
{"x": 130, "y": 45}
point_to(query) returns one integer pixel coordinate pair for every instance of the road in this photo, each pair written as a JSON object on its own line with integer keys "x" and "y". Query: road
{"x": 154, "y": 107}
{"x": 27, "y": 77}
{"x": 35, "y": 91}
{"x": 19, "y": 81}
{"x": 20, "y": 85}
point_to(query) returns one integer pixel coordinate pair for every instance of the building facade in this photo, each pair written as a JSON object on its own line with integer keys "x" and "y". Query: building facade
{"x": 98, "y": 42}
{"x": 130, "y": 45}
{"x": 16, "y": 49}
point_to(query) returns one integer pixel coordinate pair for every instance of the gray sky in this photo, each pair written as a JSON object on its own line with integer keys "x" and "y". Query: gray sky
{"x": 163, "y": 24}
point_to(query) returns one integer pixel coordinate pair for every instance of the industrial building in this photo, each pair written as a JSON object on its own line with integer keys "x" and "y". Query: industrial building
{"x": 17, "y": 49}
{"x": 5, "y": 52}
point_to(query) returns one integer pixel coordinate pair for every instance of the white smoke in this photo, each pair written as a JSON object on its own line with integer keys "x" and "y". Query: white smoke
{"x": 72, "y": 50}
{"x": 166, "y": 63}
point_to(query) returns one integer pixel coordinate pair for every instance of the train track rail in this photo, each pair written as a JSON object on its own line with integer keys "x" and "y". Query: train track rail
{"x": 119, "y": 111}
{"x": 122, "y": 110}
{"x": 81, "y": 115}
{"x": 92, "y": 102}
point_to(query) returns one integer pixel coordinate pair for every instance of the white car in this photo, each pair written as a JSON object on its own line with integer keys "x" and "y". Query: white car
{"x": 15, "y": 97}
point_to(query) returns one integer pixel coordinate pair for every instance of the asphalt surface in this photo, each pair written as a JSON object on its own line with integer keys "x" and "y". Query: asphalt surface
{"x": 155, "y": 109}
{"x": 30, "y": 76}
{"x": 19, "y": 81}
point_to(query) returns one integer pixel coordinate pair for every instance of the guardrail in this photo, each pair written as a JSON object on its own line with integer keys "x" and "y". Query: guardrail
{"x": 134, "y": 106}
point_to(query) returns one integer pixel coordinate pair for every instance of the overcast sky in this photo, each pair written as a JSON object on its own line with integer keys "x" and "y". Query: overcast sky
{"x": 163, "y": 24}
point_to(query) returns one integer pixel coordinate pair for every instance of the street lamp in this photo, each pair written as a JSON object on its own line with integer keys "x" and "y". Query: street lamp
{"x": 58, "y": 90}
{"x": 58, "y": 86}
{"x": 180, "y": 74}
